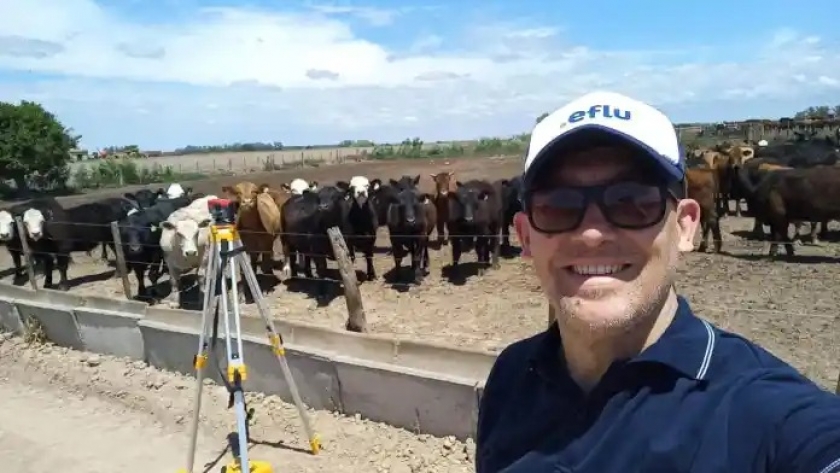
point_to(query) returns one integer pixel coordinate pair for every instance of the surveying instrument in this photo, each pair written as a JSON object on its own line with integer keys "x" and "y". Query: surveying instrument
{"x": 227, "y": 252}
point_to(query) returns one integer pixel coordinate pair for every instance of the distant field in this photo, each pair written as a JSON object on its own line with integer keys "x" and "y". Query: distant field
{"x": 245, "y": 162}
{"x": 248, "y": 161}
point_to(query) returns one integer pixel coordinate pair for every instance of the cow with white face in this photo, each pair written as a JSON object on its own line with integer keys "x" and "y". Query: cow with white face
{"x": 184, "y": 237}
{"x": 34, "y": 221}
{"x": 174, "y": 191}
{"x": 299, "y": 186}
{"x": 10, "y": 238}
{"x": 7, "y": 226}
{"x": 359, "y": 188}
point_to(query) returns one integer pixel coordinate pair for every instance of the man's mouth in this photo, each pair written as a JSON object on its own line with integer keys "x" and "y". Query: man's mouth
{"x": 597, "y": 270}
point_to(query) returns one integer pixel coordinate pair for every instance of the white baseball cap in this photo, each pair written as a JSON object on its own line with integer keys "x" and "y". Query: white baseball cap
{"x": 615, "y": 116}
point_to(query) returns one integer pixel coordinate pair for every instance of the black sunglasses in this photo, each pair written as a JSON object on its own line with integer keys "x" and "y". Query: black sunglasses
{"x": 629, "y": 205}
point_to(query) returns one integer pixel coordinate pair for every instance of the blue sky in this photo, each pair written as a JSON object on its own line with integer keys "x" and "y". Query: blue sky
{"x": 168, "y": 73}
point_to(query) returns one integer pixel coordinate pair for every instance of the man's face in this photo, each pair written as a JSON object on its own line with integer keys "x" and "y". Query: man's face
{"x": 645, "y": 259}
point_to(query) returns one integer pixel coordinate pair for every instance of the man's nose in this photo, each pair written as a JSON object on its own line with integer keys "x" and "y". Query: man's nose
{"x": 594, "y": 228}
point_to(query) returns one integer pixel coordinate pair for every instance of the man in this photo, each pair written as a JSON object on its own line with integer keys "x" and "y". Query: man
{"x": 629, "y": 379}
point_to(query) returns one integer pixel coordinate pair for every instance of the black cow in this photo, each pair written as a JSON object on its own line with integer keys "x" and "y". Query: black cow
{"x": 305, "y": 219}
{"x": 790, "y": 195}
{"x": 509, "y": 197}
{"x": 475, "y": 216}
{"x": 411, "y": 218}
{"x": 55, "y": 232}
{"x": 362, "y": 223}
{"x": 140, "y": 234}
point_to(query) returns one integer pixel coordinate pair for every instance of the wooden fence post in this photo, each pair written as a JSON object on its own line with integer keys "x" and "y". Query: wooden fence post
{"x": 27, "y": 253}
{"x": 122, "y": 271}
{"x": 356, "y": 320}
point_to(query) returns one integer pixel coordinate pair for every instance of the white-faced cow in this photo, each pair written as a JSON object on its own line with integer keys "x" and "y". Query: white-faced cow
{"x": 362, "y": 221}
{"x": 184, "y": 238}
{"x": 298, "y": 186}
{"x": 55, "y": 232}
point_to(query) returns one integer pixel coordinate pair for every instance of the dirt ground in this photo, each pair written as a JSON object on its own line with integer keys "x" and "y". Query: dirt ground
{"x": 75, "y": 412}
{"x": 789, "y": 307}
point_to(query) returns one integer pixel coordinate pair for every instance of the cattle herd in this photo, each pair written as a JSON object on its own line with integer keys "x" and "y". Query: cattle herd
{"x": 783, "y": 183}
{"x": 168, "y": 230}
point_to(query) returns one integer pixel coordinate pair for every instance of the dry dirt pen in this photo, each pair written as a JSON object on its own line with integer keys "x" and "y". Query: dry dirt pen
{"x": 789, "y": 307}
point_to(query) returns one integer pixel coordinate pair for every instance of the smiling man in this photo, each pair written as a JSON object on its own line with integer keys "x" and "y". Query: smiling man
{"x": 629, "y": 378}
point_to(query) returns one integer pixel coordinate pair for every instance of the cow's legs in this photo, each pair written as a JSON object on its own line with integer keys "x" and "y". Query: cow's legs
{"x": 456, "y": 253}
{"x": 62, "y": 261}
{"x": 17, "y": 260}
{"x": 48, "y": 263}
{"x": 140, "y": 273}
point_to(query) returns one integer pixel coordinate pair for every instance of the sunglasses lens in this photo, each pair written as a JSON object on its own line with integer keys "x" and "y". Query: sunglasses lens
{"x": 633, "y": 205}
{"x": 557, "y": 210}
{"x": 625, "y": 205}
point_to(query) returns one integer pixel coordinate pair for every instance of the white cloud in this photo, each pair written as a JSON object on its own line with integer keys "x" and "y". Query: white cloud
{"x": 233, "y": 74}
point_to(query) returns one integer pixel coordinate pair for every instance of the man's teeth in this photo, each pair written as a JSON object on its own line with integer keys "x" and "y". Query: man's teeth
{"x": 597, "y": 270}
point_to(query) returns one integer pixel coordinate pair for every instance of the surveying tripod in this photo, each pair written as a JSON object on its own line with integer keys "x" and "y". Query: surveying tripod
{"x": 226, "y": 252}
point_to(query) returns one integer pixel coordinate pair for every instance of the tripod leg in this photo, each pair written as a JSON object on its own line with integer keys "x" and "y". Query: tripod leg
{"x": 279, "y": 351}
{"x": 204, "y": 350}
{"x": 236, "y": 365}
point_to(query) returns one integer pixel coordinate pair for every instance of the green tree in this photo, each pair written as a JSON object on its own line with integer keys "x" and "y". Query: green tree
{"x": 820, "y": 111}
{"x": 33, "y": 144}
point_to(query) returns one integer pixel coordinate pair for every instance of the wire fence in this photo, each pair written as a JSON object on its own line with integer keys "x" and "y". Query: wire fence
{"x": 755, "y": 316}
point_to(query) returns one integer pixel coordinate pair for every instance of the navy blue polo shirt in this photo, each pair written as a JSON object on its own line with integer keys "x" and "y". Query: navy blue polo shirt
{"x": 698, "y": 400}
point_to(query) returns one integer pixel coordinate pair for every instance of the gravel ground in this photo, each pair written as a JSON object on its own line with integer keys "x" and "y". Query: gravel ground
{"x": 787, "y": 306}
{"x": 76, "y": 412}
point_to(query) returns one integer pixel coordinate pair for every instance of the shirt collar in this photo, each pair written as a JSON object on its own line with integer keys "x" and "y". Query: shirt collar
{"x": 687, "y": 346}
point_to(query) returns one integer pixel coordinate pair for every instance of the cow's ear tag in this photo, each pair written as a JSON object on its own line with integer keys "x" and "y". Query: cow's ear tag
{"x": 153, "y": 228}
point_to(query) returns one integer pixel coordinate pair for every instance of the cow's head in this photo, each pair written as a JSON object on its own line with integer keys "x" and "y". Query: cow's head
{"x": 34, "y": 220}
{"x": 175, "y": 190}
{"x": 187, "y": 234}
{"x": 466, "y": 203}
{"x": 442, "y": 182}
{"x": 7, "y": 225}
{"x": 331, "y": 197}
{"x": 245, "y": 193}
{"x": 359, "y": 189}
{"x": 406, "y": 208}
{"x": 406, "y": 182}
{"x": 136, "y": 232}
{"x": 298, "y": 186}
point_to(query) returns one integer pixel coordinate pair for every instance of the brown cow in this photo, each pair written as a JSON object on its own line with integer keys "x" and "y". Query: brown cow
{"x": 443, "y": 184}
{"x": 702, "y": 186}
{"x": 274, "y": 225}
{"x": 257, "y": 221}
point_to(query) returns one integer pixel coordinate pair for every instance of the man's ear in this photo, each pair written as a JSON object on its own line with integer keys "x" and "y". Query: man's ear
{"x": 688, "y": 220}
{"x": 523, "y": 232}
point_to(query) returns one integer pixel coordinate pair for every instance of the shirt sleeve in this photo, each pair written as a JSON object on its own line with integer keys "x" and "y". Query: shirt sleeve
{"x": 806, "y": 434}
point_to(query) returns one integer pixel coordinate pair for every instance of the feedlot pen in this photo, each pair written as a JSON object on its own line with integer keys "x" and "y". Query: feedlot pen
{"x": 787, "y": 306}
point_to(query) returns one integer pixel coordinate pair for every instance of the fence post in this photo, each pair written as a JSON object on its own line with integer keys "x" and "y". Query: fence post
{"x": 356, "y": 320}
{"x": 27, "y": 253}
{"x": 122, "y": 271}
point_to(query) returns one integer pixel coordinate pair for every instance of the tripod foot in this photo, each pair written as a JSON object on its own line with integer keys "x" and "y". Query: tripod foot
{"x": 254, "y": 466}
